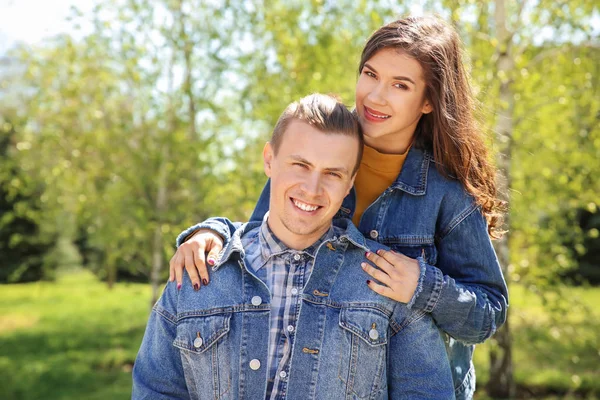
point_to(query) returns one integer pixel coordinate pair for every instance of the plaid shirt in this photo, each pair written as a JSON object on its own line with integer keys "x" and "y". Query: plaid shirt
{"x": 285, "y": 272}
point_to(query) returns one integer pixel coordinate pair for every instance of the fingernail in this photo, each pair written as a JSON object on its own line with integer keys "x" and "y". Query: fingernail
{"x": 367, "y": 254}
{"x": 368, "y": 281}
{"x": 363, "y": 265}
{"x": 196, "y": 286}
{"x": 379, "y": 251}
{"x": 178, "y": 286}
{"x": 211, "y": 261}
{"x": 205, "y": 281}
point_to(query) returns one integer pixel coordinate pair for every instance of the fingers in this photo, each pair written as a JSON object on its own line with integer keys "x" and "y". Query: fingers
{"x": 213, "y": 252}
{"x": 191, "y": 263}
{"x": 381, "y": 262}
{"x": 378, "y": 274}
{"x": 381, "y": 289}
{"x": 178, "y": 266}
{"x": 392, "y": 257}
{"x": 172, "y": 267}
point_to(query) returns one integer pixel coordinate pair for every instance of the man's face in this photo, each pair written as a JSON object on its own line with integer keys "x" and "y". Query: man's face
{"x": 310, "y": 176}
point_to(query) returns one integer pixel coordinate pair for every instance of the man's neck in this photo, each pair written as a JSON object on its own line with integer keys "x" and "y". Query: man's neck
{"x": 295, "y": 241}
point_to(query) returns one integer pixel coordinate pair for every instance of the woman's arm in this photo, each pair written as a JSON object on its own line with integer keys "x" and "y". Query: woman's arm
{"x": 465, "y": 292}
{"x": 200, "y": 244}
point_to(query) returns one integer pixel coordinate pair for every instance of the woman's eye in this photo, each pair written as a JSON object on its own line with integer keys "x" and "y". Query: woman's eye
{"x": 369, "y": 73}
{"x": 299, "y": 165}
{"x": 401, "y": 86}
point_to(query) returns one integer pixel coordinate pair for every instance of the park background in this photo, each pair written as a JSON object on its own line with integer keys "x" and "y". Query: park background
{"x": 145, "y": 117}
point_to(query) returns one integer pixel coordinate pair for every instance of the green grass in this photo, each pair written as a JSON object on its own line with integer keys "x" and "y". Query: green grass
{"x": 76, "y": 339}
{"x": 73, "y": 339}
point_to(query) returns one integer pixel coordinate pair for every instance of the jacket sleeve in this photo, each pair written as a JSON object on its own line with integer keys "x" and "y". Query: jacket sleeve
{"x": 465, "y": 292}
{"x": 223, "y": 226}
{"x": 418, "y": 366}
{"x": 158, "y": 370}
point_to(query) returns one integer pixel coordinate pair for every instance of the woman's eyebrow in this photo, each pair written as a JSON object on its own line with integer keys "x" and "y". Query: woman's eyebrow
{"x": 398, "y": 78}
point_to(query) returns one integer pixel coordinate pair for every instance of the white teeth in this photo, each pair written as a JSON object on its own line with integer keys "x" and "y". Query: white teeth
{"x": 378, "y": 116}
{"x": 305, "y": 207}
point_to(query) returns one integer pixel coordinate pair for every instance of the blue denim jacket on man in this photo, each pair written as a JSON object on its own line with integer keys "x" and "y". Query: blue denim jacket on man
{"x": 425, "y": 214}
{"x": 350, "y": 342}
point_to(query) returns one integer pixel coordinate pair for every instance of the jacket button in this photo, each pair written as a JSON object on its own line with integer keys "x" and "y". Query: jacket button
{"x": 373, "y": 234}
{"x": 254, "y": 364}
{"x": 373, "y": 334}
{"x": 198, "y": 342}
{"x": 297, "y": 257}
{"x": 282, "y": 374}
{"x": 256, "y": 301}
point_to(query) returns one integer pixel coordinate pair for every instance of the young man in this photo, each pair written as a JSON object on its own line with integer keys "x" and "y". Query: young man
{"x": 285, "y": 316}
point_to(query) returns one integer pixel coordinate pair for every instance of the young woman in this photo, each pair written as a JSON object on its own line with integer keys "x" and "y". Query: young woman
{"x": 425, "y": 188}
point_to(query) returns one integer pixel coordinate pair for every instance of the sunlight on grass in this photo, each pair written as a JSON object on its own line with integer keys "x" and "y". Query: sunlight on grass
{"x": 73, "y": 339}
{"x": 76, "y": 339}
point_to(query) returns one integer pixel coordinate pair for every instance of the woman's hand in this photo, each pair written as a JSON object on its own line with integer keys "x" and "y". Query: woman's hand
{"x": 203, "y": 247}
{"x": 397, "y": 273}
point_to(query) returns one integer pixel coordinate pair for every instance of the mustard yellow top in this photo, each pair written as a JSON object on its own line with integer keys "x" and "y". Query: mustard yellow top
{"x": 376, "y": 173}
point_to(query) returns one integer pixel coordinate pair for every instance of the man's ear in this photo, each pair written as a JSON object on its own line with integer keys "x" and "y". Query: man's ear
{"x": 351, "y": 184}
{"x": 267, "y": 158}
{"x": 427, "y": 107}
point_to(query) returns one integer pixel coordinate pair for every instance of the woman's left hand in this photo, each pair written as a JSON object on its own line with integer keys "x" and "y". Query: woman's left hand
{"x": 397, "y": 273}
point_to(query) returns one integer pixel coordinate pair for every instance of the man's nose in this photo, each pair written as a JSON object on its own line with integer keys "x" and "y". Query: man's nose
{"x": 312, "y": 184}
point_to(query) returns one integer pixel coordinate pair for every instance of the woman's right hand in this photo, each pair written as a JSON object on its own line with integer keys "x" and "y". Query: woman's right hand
{"x": 201, "y": 248}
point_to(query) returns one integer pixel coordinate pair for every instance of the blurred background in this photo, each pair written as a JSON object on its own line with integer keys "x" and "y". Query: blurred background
{"x": 124, "y": 121}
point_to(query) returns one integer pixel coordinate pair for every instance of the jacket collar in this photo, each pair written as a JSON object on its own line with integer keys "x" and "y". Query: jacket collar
{"x": 413, "y": 177}
{"x": 344, "y": 230}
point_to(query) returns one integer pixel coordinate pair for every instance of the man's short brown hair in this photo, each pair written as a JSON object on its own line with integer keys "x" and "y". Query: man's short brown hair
{"x": 323, "y": 112}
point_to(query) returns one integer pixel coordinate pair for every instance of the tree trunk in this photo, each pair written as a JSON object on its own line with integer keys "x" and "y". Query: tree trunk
{"x": 157, "y": 242}
{"x": 501, "y": 383}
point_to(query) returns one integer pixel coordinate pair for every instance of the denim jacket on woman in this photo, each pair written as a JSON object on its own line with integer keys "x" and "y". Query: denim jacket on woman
{"x": 350, "y": 343}
{"x": 425, "y": 214}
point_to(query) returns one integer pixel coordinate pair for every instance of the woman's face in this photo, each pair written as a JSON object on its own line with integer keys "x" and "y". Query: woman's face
{"x": 390, "y": 100}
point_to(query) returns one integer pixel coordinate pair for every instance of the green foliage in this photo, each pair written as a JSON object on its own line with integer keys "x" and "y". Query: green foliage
{"x": 22, "y": 244}
{"x": 552, "y": 355}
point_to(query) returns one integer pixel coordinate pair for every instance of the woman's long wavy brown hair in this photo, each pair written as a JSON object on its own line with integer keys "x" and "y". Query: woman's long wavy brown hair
{"x": 451, "y": 130}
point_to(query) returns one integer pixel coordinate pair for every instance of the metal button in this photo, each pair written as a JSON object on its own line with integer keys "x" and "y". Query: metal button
{"x": 294, "y": 291}
{"x": 373, "y": 334}
{"x": 343, "y": 239}
{"x": 290, "y": 328}
{"x": 256, "y": 301}
{"x": 254, "y": 364}
{"x": 296, "y": 257}
{"x": 373, "y": 234}
{"x": 198, "y": 342}
{"x": 282, "y": 374}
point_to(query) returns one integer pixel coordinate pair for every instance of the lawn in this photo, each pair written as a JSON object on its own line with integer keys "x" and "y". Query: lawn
{"x": 76, "y": 339}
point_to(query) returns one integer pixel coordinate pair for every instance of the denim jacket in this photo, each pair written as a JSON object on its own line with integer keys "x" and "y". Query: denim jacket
{"x": 350, "y": 342}
{"x": 425, "y": 214}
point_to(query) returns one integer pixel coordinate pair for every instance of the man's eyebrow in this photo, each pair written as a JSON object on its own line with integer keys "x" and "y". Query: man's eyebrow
{"x": 398, "y": 78}
{"x": 301, "y": 159}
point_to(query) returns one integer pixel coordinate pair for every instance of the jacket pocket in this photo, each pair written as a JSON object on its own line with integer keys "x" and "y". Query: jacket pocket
{"x": 414, "y": 247}
{"x": 363, "y": 344}
{"x": 205, "y": 349}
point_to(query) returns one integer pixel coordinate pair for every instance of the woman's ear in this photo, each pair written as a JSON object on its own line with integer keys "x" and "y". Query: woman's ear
{"x": 427, "y": 107}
